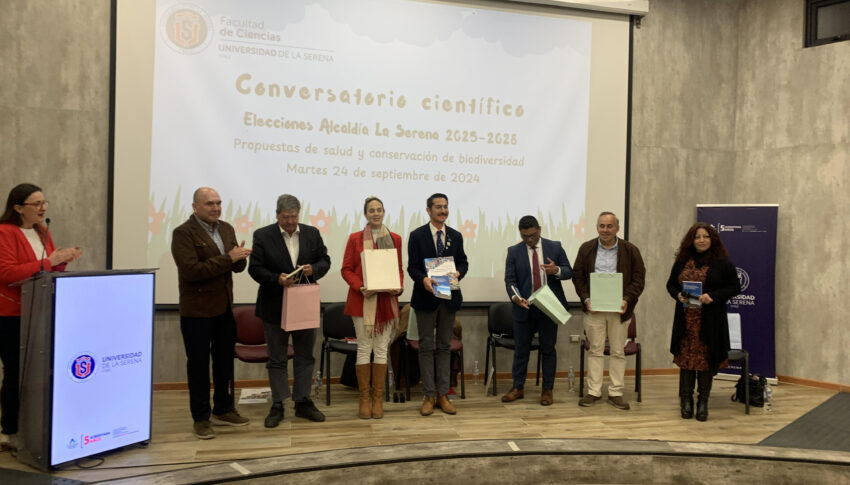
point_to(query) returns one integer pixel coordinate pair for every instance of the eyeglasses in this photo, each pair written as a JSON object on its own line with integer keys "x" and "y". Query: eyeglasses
{"x": 39, "y": 204}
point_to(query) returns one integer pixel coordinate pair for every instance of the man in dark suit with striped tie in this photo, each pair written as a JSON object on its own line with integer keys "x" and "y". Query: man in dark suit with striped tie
{"x": 529, "y": 265}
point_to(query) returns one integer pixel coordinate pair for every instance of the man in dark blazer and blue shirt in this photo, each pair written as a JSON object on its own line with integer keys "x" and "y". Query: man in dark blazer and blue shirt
{"x": 430, "y": 241}
{"x": 277, "y": 251}
{"x": 530, "y": 264}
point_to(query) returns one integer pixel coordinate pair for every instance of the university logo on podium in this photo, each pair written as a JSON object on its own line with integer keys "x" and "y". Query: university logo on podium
{"x": 82, "y": 367}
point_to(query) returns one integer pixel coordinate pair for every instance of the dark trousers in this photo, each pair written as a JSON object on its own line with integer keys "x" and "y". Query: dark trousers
{"x": 524, "y": 332}
{"x": 203, "y": 337}
{"x": 10, "y": 353}
{"x": 302, "y": 344}
{"x": 435, "y": 366}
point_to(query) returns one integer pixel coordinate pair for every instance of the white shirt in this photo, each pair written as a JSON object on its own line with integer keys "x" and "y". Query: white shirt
{"x": 292, "y": 243}
{"x": 539, "y": 252}
{"x": 35, "y": 241}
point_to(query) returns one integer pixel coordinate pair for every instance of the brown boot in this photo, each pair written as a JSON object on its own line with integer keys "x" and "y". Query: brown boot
{"x": 446, "y": 405}
{"x": 427, "y": 408}
{"x": 379, "y": 374}
{"x": 363, "y": 375}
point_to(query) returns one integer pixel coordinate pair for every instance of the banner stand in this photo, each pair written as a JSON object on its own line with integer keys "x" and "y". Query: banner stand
{"x": 749, "y": 234}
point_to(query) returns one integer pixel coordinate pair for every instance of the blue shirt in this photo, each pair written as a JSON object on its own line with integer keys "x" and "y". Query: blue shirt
{"x": 213, "y": 232}
{"x": 606, "y": 258}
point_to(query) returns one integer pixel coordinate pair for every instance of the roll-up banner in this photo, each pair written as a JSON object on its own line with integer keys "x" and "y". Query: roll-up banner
{"x": 749, "y": 234}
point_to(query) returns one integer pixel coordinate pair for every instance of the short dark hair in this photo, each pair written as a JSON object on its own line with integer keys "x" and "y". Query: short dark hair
{"x": 287, "y": 202}
{"x": 528, "y": 222}
{"x": 437, "y": 196}
{"x": 371, "y": 198}
{"x": 17, "y": 196}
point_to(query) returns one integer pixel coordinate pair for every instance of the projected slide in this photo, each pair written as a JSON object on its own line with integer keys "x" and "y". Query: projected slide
{"x": 332, "y": 101}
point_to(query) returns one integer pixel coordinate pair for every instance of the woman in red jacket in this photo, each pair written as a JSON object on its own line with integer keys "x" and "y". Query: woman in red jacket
{"x": 375, "y": 314}
{"x": 25, "y": 249}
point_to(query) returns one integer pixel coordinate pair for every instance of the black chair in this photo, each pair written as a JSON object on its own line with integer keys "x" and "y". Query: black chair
{"x": 500, "y": 329}
{"x": 632, "y": 348}
{"x": 339, "y": 336}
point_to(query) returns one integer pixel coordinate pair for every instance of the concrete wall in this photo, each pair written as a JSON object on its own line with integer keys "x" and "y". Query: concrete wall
{"x": 728, "y": 108}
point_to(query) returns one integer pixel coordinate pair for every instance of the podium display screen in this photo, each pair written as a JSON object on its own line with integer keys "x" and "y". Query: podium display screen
{"x": 103, "y": 343}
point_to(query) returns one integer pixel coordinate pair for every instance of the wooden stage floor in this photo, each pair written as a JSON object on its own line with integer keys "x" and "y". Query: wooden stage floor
{"x": 480, "y": 417}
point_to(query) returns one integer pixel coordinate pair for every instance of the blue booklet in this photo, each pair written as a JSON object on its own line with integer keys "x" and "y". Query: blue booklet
{"x": 443, "y": 288}
{"x": 692, "y": 290}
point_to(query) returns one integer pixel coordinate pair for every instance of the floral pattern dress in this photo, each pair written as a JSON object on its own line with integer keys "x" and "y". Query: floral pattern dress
{"x": 693, "y": 353}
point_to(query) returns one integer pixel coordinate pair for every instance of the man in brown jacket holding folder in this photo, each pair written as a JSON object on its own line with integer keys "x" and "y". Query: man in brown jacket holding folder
{"x": 207, "y": 254}
{"x": 607, "y": 254}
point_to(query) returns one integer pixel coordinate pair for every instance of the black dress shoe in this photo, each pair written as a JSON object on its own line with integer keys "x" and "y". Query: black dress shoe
{"x": 275, "y": 415}
{"x": 308, "y": 410}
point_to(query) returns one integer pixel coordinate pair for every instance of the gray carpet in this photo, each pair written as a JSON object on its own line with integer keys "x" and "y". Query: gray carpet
{"x": 826, "y": 427}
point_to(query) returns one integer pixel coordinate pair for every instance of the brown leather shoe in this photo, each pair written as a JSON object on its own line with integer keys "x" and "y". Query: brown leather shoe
{"x": 513, "y": 395}
{"x": 546, "y": 398}
{"x": 618, "y": 402}
{"x": 427, "y": 408}
{"x": 446, "y": 405}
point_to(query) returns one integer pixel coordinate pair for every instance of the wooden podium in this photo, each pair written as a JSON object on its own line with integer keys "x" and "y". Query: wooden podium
{"x": 86, "y": 364}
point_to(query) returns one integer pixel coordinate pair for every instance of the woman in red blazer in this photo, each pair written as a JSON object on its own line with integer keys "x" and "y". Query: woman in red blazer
{"x": 375, "y": 314}
{"x": 24, "y": 243}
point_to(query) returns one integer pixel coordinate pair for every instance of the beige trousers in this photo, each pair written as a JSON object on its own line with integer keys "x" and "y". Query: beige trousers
{"x": 599, "y": 326}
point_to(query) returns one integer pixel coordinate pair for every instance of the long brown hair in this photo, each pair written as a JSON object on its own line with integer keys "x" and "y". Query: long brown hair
{"x": 686, "y": 250}
{"x": 17, "y": 196}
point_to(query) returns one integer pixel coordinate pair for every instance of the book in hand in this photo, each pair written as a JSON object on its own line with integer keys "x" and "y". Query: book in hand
{"x": 442, "y": 286}
{"x": 692, "y": 291}
{"x": 296, "y": 273}
{"x": 516, "y": 292}
{"x": 444, "y": 266}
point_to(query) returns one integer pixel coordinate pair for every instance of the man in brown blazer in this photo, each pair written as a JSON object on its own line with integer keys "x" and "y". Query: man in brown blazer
{"x": 608, "y": 254}
{"x": 206, "y": 253}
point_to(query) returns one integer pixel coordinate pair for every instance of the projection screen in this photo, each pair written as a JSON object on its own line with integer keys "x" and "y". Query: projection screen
{"x": 509, "y": 109}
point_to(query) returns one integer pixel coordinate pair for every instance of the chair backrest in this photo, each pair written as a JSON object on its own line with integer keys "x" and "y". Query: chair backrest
{"x": 735, "y": 340}
{"x": 500, "y": 319}
{"x": 633, "y": 328}
{"x": 336, "y": 324}
{"x": 249, "y": 327}
{"x": 631, "y": 336}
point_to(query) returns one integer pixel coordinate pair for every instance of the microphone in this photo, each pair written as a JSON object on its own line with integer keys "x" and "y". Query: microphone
{"x": 43, "y": 246}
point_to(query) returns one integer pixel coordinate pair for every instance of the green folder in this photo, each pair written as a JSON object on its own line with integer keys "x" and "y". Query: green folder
{"x": 606, "y": 292}
{"x": 548, "y": 303}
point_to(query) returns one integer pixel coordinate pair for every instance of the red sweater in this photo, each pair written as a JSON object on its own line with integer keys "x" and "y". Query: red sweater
{"x": 352, "y": 273}
{"x": 19, "y": 262}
